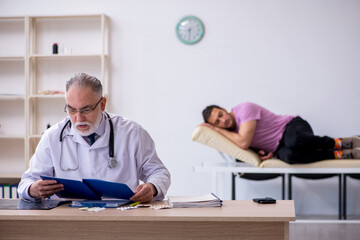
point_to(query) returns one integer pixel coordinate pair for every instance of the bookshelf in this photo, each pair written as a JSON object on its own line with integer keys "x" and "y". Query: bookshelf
{"x": 33, "y": 79}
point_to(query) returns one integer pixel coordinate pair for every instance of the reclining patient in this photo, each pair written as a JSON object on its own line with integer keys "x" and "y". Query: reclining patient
{"x": 287, "y": 137}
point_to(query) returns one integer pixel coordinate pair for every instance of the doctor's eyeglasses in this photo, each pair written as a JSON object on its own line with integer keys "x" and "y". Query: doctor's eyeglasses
{"x": 85, "y": 110}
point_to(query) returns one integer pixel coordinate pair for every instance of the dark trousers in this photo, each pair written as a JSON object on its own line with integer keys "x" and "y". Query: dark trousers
{"x": 299, "y": 144}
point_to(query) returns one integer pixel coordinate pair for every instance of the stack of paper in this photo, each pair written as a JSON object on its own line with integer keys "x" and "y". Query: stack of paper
{"x": 209, "y": 200}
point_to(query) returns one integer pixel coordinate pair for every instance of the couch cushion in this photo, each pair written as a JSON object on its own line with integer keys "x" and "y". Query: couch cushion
{"x": 331, "y": 163}
{"x": 215, "y": 140}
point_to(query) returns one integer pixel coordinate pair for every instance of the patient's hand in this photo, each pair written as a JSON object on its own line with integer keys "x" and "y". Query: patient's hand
{"x": 264, "y": 156}
{"x": 207, "y": 125}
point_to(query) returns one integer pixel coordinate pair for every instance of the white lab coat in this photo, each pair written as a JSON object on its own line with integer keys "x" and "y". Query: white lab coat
{"x": 134, "y": 151}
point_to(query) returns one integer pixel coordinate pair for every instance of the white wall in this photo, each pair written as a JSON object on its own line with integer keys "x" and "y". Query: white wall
{"x": 293, "y": 57}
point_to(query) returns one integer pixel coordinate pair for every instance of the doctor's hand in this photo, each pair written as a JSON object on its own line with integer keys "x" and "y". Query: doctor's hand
{"x": 144, "y": 193}
{"x": 44, "y": 188}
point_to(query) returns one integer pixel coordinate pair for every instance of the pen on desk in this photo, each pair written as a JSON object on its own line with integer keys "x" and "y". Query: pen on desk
{"x": 134, "y": 204}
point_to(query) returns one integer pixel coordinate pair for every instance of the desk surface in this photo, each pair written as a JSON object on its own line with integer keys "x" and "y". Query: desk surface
{"x": 258, "y": 221}
{"x": 238, "y": 211}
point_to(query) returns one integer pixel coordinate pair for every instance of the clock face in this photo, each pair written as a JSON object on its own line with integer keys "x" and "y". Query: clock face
{"x": 190, "y": 30}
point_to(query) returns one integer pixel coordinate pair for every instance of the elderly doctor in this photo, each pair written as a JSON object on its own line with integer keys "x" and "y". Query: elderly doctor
{"x": 67, "y": 149}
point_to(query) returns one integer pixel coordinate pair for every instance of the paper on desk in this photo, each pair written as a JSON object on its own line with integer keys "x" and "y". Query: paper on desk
{"x": 208, "y": 200}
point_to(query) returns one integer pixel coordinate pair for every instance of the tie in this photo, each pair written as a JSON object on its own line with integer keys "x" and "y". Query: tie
{"x": 92, "y": 138}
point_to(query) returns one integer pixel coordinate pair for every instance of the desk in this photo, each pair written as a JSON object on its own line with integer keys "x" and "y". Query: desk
{"x": 236, "y": 219}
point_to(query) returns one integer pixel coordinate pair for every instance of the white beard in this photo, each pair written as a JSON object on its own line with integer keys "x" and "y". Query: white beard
{"x": 92, "y": 129}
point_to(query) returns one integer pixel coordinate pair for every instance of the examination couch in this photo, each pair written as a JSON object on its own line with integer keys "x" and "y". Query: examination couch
{"x": 247, "y": 164}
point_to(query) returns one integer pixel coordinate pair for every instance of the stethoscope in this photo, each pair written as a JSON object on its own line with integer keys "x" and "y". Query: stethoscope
{"x": 112, "y": 163}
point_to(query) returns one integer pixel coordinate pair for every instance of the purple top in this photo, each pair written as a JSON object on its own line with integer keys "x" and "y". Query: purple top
{"x": 269, "y": 126}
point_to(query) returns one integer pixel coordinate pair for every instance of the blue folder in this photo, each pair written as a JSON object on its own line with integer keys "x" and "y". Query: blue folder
{"x": 113, "y": 203}
{"x": 92, "y": 189}
{"x": 109, "y": 189}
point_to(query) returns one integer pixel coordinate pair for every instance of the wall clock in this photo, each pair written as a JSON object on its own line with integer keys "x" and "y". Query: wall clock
{"x": 190, "y": 30}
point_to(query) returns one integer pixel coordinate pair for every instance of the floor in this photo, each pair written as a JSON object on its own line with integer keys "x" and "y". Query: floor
{"x": 325, "y": 229}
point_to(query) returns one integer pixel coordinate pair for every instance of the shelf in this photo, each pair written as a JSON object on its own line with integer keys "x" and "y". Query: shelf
{"x": 44, "y": 96}
{"x": 68, "y": 16}
{"x": 12, "y": 137}
{"x": 12, "y": 18}
{"x": 69, "y": 56}
{"x": 12, "y": 58}
{"x": 30, "y": 73}
{"x": 11, "y": 97}
{"x": 37, "y": 136}
{"x": 10, "y": 175}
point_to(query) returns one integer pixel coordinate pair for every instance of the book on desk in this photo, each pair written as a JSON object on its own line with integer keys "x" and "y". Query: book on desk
{"x": 208, "y": 200}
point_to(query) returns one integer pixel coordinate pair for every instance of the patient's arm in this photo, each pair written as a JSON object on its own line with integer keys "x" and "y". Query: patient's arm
{"x": 243, "y": 138}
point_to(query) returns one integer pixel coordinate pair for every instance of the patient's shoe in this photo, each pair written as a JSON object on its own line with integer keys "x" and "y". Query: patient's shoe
{"x": 351, "y": 153}
{"x": 351, "y": 142}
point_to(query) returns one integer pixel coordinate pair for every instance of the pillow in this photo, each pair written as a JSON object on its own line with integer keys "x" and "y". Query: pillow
{"x": 213, "y": 139}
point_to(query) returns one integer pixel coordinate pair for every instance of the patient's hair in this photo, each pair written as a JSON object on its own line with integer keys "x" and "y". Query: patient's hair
{"x": 207, "y": 112}
{"x": 84, "y": 80}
